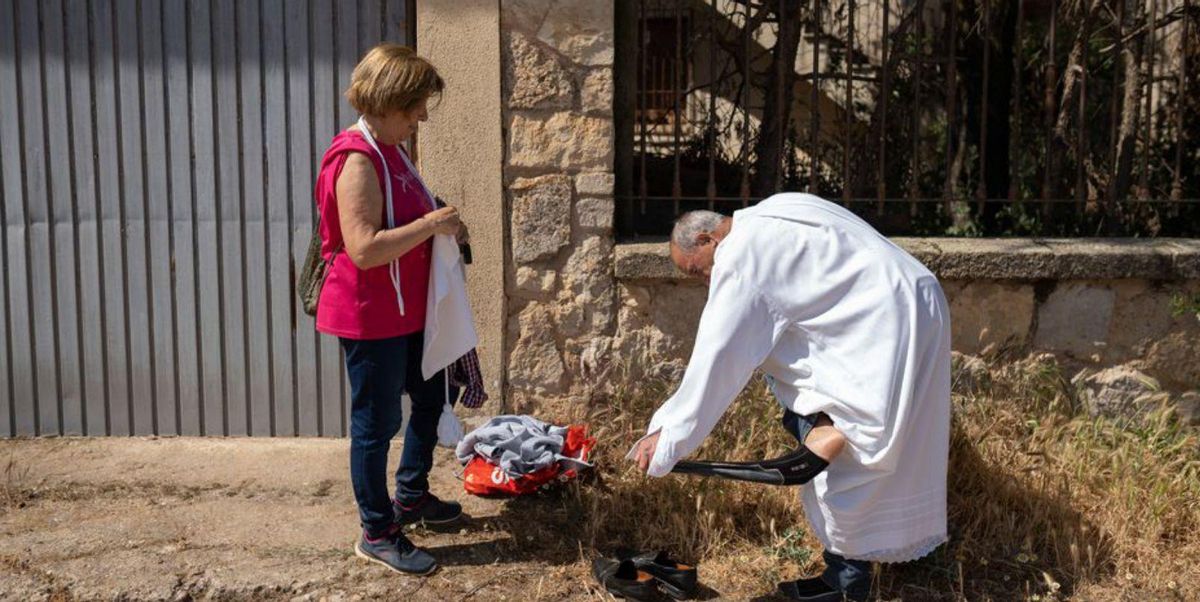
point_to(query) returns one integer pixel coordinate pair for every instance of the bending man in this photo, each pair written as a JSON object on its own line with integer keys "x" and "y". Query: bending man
{"x": 853, "y": 335}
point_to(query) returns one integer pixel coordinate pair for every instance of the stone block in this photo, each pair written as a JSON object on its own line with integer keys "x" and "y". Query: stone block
{"x": 533, "y": 77}
{"x": 587, "y": 300}
{"x": 646, "y": 261}
{"x": 983, "y": 313}
{"x": 656, "y": 328}
{"x": 535, "y": 363}
{"x": 1141, "y": 315}
{"x": 1175, "y": 359}
{"x": 1075, "y": 319}
{"x": 596, "y": 96}
{"x": 562, "y": 141}
{"x": 541, "y": 216}
{"x": 1120, "y": 392}
{"x": 534, "y": 283}
{"x": 595, "y": 183}
{"x": 594, "y": 214}
{"x": 582, "y": 30}
{"x": 1050, "y": 259}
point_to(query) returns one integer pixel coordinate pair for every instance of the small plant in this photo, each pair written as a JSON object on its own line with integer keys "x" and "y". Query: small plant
{"x": 790, "y": 547}
{"x": 1182, "y": 304}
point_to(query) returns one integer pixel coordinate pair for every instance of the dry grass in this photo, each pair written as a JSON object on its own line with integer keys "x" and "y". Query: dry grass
{"x": 13, "y": 492}
{"x": 1045, "y": 504}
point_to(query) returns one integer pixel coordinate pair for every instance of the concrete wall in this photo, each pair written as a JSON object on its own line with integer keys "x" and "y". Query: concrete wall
{"x": 461, "y": 152}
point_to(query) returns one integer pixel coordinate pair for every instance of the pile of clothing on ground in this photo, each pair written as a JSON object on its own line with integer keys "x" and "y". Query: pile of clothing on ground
{"x": 516, "y": 455}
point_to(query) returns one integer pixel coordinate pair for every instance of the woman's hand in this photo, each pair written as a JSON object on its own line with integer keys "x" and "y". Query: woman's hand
{"x": 444, "y": 221}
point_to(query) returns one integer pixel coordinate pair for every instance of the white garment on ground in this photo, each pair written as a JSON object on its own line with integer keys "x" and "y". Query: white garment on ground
{"x": 848, "y": 324}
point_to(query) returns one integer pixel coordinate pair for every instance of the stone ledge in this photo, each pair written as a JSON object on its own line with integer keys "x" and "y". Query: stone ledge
{"x": 994, "y": 258}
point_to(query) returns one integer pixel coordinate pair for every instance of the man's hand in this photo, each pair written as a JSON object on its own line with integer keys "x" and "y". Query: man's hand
{"x": 644, "y": 451}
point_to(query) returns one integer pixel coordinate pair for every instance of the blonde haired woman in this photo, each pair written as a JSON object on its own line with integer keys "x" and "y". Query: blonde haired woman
{"x": 377, "y": 222}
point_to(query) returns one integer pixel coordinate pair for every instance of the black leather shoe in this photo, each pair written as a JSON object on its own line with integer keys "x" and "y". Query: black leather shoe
{"x": 674, "y": 579}
{"x": 622, "y": 579}
{"x": 813, "y": 589}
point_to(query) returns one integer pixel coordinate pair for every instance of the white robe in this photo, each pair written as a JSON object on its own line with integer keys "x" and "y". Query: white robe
{"x": 846, "y": 323}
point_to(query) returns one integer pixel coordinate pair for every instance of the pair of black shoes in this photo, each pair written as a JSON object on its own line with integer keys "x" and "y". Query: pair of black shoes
{"x": 640, "y": 576}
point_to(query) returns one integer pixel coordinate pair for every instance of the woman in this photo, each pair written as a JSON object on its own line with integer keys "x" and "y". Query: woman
{"x": 377, "y": 221}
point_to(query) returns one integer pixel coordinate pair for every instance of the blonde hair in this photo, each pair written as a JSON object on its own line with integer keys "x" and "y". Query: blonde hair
{"x": 391, "y": 78}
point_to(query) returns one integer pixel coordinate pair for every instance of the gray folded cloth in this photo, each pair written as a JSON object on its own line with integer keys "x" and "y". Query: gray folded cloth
{"x": 518, "y": 444}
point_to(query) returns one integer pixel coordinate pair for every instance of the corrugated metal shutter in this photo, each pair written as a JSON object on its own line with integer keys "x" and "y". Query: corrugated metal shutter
{"x": 156, "y": 166}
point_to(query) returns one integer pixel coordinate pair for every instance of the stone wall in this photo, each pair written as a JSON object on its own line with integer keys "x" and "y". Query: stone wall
{"x": 557, "y": 98}
{"x": 584, "y": 315}
{"x": 1018, "y": 294}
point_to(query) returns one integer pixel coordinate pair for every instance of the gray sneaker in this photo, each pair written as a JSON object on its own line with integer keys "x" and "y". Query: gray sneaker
{"x": 428, "y": 510}
{"x": 395, "y": 552}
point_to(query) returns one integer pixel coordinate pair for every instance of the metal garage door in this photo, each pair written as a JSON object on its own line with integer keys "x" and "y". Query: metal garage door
{"x": 156, "y": 167}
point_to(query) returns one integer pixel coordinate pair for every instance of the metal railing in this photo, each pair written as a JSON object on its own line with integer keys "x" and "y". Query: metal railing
{"x": 959, "y": 117}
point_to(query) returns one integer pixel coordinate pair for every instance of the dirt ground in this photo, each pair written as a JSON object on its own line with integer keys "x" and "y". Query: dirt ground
{"x": 252, "y": 519}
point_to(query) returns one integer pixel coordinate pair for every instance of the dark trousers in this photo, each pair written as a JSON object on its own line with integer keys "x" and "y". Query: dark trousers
{"x": 852, "y": 577}
{"x": 379, "y": 371}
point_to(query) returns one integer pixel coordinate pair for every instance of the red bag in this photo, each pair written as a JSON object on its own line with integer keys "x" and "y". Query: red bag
{"x": 482, "y": 477}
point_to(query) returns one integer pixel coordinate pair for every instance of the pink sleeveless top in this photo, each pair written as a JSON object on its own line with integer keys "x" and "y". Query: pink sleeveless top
{"x": 361, "y": 304}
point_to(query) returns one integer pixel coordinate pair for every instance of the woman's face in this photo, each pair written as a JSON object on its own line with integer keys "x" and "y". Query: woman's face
{"x": 401, "y": 125}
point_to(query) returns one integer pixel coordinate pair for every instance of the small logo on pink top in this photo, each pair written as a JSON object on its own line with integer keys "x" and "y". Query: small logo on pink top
{"x": 406, "y": 179}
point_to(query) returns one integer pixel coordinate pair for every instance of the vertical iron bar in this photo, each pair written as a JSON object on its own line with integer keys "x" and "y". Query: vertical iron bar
{"x": 848, "y": 108}
{"x": 1114, "y": 114}
{"x": 746, "y": 83}
{"x": 948, "y": 188}
{"x": 1014, "y": 141}
{"x": 814, "y": 102}
{"x": 1081, "y": 126}
{"x": 780, "y": 110}
{"x": 881, "y": 174}
{"x": 913, "y": 184}
{"x": 712, "y": 104}
{"x": 1048, "y": 103}
{"x": 1148, "y": 141}
{"x": 643, "y": 101}
{"x": 676, "y": 75}
{"x": 1180, "y": 95}
{"x": 981, "y": 192}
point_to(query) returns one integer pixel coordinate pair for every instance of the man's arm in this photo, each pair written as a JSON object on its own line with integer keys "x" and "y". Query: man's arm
{"x": 737, "y": 331}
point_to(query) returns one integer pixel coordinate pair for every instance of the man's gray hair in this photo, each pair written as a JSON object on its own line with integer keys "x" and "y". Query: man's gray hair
{"x": 692, "y": 224}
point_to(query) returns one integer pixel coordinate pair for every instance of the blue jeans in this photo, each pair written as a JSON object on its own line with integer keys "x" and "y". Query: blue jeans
{"x": 379, "y": 371}
{"x": 851, "y": 577}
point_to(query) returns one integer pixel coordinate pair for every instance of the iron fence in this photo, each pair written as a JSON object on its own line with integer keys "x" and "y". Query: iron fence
{"x": 962, "y": 117}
